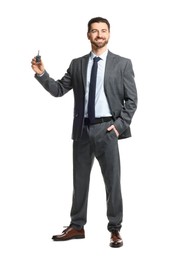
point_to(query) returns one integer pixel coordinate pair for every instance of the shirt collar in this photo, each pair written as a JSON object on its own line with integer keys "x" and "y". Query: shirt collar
{"x": 102, "y": 56}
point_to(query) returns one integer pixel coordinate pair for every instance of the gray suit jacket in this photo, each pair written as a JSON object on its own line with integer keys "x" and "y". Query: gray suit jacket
{"x": 119, "y": 86}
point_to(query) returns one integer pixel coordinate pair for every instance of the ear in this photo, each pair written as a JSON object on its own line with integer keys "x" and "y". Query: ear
{"x": 88, "y": 36}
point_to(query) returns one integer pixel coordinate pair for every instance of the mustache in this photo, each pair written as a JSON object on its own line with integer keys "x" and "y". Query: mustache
{"x": 100, "y": 38}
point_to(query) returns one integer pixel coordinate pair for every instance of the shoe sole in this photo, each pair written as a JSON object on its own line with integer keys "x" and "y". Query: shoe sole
{"x": 76, "y": 237}
{"x": 116, "y": 245}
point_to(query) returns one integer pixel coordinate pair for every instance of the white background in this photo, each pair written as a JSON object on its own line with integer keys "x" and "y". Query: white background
{"x": 35, "y": 132}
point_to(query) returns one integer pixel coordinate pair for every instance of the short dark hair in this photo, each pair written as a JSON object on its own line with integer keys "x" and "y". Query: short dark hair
{"x": 98, "y": 20}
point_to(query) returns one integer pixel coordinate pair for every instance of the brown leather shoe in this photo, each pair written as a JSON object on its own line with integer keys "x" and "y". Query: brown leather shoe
{"x": 69, "y": 233}
{"x": 116, "y": 240}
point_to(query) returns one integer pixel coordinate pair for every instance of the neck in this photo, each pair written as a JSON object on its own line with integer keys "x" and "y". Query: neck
{"x": 99, "y": 51}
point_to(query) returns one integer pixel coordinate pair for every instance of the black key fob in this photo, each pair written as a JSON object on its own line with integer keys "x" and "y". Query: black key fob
{"x": 38, "y": 58}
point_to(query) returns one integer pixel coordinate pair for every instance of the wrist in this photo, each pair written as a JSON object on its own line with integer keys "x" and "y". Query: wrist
{"x": 40, "y": 74}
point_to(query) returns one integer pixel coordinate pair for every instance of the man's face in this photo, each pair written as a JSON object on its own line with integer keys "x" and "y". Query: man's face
{"x": 99, "y": 35}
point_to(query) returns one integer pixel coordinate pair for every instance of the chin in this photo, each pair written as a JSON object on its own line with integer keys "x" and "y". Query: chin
{"x": 100, "y": 45}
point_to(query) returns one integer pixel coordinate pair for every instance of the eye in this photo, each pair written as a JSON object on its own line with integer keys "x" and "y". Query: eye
{"x": 93, "y": 31}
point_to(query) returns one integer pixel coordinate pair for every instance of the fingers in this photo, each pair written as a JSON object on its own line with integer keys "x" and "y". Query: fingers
{"x": 38, "y": 67}
{"x": 34, "y": 62}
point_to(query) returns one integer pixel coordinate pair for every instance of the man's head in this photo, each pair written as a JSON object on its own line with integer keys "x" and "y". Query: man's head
{"x": 98, "y": 32}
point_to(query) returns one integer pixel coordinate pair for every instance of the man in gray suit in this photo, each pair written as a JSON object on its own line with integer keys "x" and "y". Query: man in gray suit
{"x": 96, "y": 135}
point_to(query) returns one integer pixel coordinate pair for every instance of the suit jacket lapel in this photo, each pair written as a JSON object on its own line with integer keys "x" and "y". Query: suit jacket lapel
{"x": 108, "y": 69}
{"x": 84, "y": 69}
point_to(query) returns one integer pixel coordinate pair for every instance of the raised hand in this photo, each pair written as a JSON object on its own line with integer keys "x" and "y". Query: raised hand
{"x": 38, "y": 67}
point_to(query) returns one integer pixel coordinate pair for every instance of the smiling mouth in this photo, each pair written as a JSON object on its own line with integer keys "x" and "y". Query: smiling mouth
{"x": 100, "y": 39}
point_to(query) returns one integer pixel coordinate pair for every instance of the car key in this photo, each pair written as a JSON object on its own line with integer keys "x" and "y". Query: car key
{"x": 38, "y": 58}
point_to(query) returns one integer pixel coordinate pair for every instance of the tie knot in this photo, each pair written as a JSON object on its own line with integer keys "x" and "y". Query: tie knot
{"x": 96, "y": 59}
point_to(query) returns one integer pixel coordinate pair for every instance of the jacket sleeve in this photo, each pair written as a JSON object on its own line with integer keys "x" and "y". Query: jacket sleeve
{"x": 123, "y": 120}
{"x": 56, "y": 88}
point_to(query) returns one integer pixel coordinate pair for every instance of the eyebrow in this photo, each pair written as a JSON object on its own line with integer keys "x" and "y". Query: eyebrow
{"x": 98, "y": 29}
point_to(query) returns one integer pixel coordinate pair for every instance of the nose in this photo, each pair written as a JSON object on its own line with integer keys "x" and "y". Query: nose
{"x": 99, "y": 34}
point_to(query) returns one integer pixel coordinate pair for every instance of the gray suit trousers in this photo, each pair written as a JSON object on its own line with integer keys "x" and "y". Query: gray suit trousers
{"x": 97, "y": 142}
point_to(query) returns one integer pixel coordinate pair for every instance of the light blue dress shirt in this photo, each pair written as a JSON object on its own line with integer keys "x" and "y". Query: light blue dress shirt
{"x": 101, "y": 104}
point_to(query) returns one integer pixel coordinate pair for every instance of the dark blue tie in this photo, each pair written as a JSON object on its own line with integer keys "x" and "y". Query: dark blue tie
{"x": 92, "y": 90}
